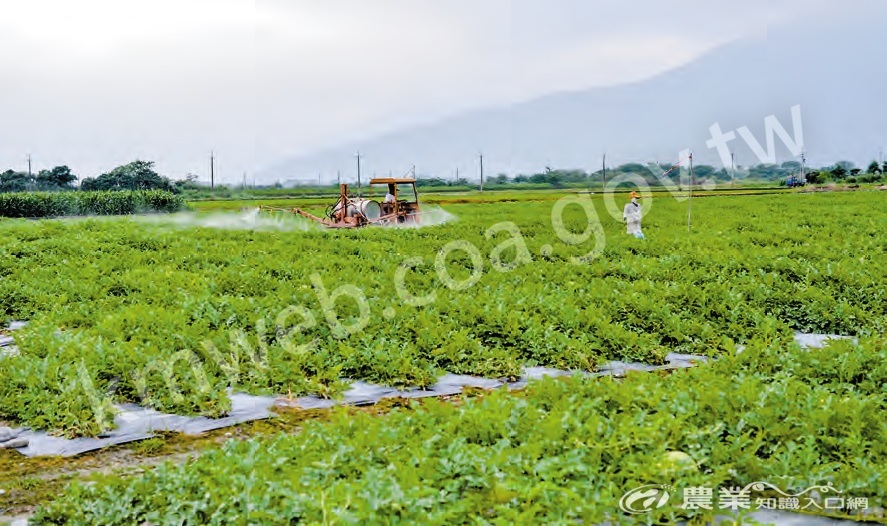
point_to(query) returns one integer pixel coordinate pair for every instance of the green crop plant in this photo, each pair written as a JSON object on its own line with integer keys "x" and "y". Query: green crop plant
{"x": 172, "y": 316}
{"x": 58, "y": 204}
{"x": 563, "y": 451}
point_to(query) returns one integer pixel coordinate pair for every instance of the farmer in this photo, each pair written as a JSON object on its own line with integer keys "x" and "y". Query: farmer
{"x": 389, "y": 197}
{"x": 631, "y": 214}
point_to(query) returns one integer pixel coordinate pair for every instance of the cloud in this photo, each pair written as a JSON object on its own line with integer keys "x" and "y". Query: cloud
{"x": 94, "y": 83}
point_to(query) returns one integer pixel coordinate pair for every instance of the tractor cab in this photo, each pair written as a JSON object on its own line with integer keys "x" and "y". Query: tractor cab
{"x": 398, "y": 198}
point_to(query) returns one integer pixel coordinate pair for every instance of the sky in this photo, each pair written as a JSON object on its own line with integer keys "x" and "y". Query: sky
{"x": 98, "y": 83}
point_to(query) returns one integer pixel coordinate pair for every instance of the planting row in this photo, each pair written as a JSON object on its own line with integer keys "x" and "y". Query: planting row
{"x": 59, "y": 204}
{"x": 563, "y": 451}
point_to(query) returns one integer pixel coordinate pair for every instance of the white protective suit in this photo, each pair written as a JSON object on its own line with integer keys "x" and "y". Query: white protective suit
{"x": 631, "y": 214}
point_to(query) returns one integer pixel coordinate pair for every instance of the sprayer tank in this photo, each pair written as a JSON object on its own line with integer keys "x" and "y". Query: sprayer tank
{"x": 368, "y": 208}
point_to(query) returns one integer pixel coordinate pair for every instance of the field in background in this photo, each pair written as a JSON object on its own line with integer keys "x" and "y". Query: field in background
{"x": 319, "y": 202}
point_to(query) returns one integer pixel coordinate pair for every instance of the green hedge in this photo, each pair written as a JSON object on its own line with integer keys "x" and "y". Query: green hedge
{"x": 56, "y": 204}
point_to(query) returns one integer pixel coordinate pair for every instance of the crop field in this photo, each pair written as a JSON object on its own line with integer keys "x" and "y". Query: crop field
{"x": 560, "y": 452}
{"x": 171, "y": 314}
{"x": 460, "y": 197}
{"x": 106, "y": 298}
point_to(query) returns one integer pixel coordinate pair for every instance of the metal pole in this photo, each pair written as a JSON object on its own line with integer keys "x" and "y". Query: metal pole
{"x": 481, "y": 172}
{"x": 732, "y": 168}
{"x": 604, "y": 172}
{"x": 690, "y": 205}
{"x": 358, "y": 175}
{"x": 803, "y": 167}
{"x": 212, "y": 168}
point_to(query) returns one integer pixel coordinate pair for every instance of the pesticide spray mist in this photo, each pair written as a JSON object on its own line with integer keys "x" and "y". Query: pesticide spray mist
{"x": 271, "y": 221}
{"x": 245, "y": 220}
{"x": 432, "y": 216}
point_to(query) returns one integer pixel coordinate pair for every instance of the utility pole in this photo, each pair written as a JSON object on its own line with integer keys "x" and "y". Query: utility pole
{"x": 244, "y": 179}
{"x": 690, "y": 204}
{"x": 803, "y": 165}
{"x": 29, "y": 166}
{"x": 481, "y": 172}
{"x": 604, "y": 172}
{"x": 413, "y": 171}
{"x": 733, "y": 167}
{"x": 358, "y": 175}
{"x": 212, "y": 170}
{"x": 338, "y": 178}
{"x": 457, "y": 175}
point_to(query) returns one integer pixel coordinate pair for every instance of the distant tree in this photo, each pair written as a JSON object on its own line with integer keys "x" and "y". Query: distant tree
{"x": 188, "y": 183}
{"x": 874, "y": 168}
{"x": 814, "y": 177}
{"x": 59, "y": 178}
{"x": 855, "y": 171}
{"x": 839, "y": 172}
{"x": 137, "y": 175}
{"x": 842, "y": 169}
{"x": 431, "y": 181}
{"x": 11, "y": 181}
{"x": 767, "y": 172}
{"x": 703, "y": 171}
{"x": 791, "y": 166}
{"x": 631, "y": 168}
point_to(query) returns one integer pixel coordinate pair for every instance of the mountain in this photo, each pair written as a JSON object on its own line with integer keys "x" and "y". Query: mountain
{"x": 831, "y": 68}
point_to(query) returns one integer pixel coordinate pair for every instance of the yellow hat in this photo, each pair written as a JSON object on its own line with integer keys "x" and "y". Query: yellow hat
{"x": 634, "y": 195}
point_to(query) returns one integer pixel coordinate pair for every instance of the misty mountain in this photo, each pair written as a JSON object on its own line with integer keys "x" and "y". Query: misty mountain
{"x": 832, "y": 69}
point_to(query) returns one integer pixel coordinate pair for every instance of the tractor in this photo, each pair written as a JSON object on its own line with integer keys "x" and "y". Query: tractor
{"x": 399, "y": 205}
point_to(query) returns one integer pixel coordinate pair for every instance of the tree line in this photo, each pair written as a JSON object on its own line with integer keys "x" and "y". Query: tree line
{"x": 843, "y": 171}
{"x": 141, "y": 175}
{"x": 137, "y": 175}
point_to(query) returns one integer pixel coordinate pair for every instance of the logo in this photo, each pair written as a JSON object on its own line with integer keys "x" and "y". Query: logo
{"x": 755, "y": 496}
{"x": 645, "y": 498}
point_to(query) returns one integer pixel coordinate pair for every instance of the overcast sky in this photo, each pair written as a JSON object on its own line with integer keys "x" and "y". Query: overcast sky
{"x": 98, "y": 83}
